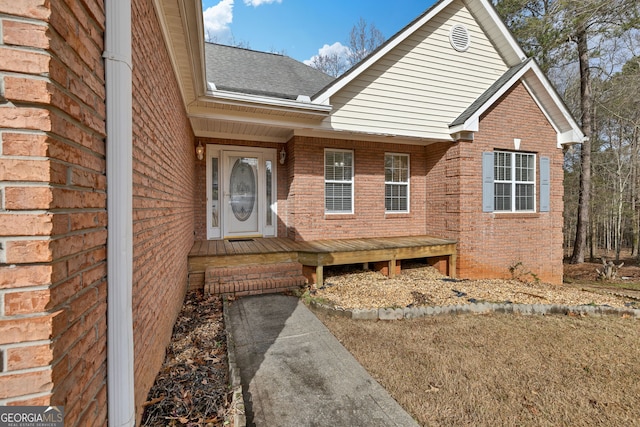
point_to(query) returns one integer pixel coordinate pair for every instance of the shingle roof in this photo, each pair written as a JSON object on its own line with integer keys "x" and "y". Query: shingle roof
{"x": 259, "y": 73}
{"x": 488, "y": 94}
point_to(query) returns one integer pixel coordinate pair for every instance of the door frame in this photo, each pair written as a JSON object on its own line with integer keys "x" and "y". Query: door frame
{"x": 216, "y": 156}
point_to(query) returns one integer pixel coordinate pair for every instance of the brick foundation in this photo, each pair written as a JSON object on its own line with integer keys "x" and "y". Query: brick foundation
{"x": 254, "y": 279}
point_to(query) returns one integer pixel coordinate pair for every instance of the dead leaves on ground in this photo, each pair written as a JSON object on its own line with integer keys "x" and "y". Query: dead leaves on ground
{"x": 192, "y": 386}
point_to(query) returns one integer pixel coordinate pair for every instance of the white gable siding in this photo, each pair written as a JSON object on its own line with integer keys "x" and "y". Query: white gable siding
{"x": 418, "y": 88}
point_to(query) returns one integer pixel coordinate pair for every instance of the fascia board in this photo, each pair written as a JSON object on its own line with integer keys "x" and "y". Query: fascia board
{"x": 504, "y": 30}
{"x": 570, "y": 137}
{"x": 192, "y": 22}
{"x": 558, "y": 103}
{"x": 193, "y": 84}
{"x": 471, "y": 125}
{"x": 258, "y": 101}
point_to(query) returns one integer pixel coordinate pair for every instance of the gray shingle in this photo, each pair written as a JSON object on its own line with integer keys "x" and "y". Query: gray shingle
{"x": 259, "y": 73}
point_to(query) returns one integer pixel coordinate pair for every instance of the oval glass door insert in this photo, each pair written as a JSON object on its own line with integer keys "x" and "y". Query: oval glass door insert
{"x": 242, "y": 183}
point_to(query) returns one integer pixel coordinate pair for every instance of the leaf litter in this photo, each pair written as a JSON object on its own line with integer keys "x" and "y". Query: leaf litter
{"x": 192, "y": 387}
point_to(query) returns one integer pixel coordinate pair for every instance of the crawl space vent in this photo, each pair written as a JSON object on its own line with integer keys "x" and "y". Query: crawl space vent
{"x": 459, "y": 37}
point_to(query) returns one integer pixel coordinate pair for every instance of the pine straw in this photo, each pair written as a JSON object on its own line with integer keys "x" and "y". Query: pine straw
{"x": 192, "y": 386}
{"x": 423, "y": 285}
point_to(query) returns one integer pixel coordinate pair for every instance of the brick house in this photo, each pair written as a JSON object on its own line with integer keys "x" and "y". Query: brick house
{"x": 447, "y": 130}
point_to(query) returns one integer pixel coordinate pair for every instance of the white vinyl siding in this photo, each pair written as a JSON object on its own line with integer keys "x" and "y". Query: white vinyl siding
{"x": 423, "y": 84}
{"x": 396, "y": 183}
{"x": 338, "y": 181}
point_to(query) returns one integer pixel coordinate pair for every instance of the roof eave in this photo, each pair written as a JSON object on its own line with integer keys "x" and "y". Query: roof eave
{"x": 567, "y": 130}
{"x": 266, "y": 102}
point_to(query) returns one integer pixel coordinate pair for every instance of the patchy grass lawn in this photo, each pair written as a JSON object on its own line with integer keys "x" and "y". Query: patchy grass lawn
{"x": 503, "y": 369}
{"x": 508, "y": 370}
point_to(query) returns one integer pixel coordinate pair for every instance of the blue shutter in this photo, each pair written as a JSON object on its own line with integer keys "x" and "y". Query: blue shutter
{"x": 545, "y": 184}
{"x": 488, "y": 187}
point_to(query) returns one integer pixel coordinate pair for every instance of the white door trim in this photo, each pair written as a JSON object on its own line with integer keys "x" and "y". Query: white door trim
{"x": 217, "y": 156}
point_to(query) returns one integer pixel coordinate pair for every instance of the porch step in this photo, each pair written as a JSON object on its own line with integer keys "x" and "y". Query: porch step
{"x": 254, "y": 279}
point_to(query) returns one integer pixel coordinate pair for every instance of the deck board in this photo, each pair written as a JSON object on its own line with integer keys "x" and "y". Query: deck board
{"x": 319, "y": 253}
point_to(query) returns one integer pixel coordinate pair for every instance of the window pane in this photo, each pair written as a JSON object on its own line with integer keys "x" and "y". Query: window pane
{"x": 396, "y": 197}
{"x": 396, "y": 168}
{"x": 338, "y": 174}
{"x": 337, "y": 197}
{"x": 268, "y": 166}
{"x": 502, "y": 197}
{"x": 502, "y": 166}
{"x": 214, "y": 193}
{"x": 524, "y": 167}
{"x": 524, "y": 197}
{"x": 396, "y": 177}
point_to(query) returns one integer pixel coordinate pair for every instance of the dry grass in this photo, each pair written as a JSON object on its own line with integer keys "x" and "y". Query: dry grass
{"x": 503, "y": 370}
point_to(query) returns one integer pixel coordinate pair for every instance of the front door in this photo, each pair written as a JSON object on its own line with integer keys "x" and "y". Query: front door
{"x": 241, "y": 189}
{"x": 242, "y": 201}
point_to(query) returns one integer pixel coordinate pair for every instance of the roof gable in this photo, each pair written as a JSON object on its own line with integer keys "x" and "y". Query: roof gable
{"x": 420, "y": 83}
{"x": 548, "y": 100}
{"x": 485, "y": 15}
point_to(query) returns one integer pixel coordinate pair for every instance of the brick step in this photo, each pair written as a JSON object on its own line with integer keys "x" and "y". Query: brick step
{"x": 254, "y": 279}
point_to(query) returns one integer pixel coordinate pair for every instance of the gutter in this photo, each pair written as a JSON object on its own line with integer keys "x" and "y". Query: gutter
{"x": 120, "y": 357}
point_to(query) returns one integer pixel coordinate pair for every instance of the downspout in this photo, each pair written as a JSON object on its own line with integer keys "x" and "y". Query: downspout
{"x": 120, "y": 358}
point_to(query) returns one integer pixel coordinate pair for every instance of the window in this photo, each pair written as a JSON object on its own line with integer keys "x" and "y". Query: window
{"x": 514, "y": 181}
{"x": 396, "y": 182}
{"x": 338, "y": 181}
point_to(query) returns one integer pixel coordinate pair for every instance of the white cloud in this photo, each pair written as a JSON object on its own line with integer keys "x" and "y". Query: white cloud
{"x": 256, "y": 3}
{"x": 217, "y": 19}
{"x": 338, "y": 49}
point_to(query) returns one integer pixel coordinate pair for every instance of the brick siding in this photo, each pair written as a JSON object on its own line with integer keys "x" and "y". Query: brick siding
{"x": 446, "y": 194}
{"x": 164, "y": 182}
{"x": 254, "y": 279}
{"x": 305, "y": 197}
{"x": 491, "y": 243}
{"x": 53, "y": 214}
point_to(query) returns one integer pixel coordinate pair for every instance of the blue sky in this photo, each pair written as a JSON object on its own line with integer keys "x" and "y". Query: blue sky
{"x": 301, "y": 28}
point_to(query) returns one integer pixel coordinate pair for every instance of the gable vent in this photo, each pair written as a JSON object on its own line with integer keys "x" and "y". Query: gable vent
{"x": 459, "y": 38}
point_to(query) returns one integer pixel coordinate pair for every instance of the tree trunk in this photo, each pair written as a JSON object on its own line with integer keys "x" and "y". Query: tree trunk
{"x": 635, "y": 217}
{"x": 585, "y": 155}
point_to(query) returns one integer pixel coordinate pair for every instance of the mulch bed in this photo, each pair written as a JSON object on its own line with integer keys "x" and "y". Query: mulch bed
{"x": 192, "y": 388}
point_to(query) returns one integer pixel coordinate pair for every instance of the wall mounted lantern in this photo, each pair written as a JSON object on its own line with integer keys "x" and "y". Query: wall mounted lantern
{"x": 283, "y": 156}
{"x": 200, "y": 151}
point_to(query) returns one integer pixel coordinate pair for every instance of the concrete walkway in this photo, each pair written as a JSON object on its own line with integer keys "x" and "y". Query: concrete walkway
{"x": 295, "y": 372}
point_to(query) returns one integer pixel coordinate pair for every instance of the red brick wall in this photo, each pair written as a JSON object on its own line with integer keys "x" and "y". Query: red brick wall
{"x": 490, "y": 243}
{"x": 53, "y": 222}
{"x": 53, "y": 186}
{"x": 164, "y": 182}
{"x": 306, "y": 218}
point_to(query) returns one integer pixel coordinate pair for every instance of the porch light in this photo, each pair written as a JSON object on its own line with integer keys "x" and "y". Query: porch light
{"x": 283, "y": 156}
{"x": 200, "y": 151}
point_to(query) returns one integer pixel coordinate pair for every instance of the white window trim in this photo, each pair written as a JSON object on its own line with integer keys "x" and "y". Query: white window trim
{"x": 408, "y": 184}
{"x": 326, "y": 181}
{"x": 514, "y": 182}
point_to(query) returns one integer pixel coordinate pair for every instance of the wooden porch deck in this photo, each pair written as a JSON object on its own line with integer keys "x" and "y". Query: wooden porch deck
{"x": 319, "y": 253}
